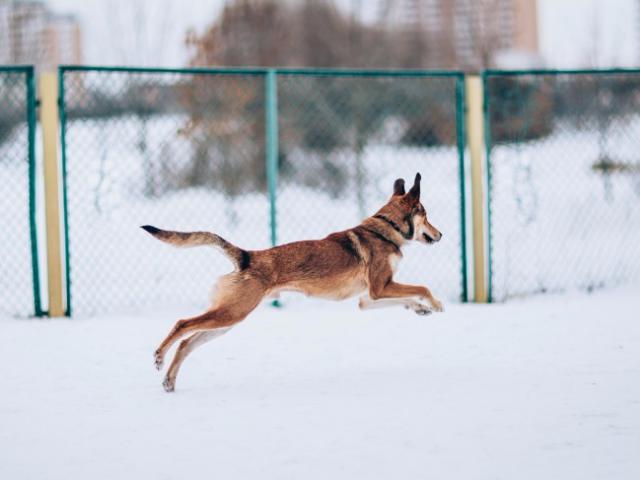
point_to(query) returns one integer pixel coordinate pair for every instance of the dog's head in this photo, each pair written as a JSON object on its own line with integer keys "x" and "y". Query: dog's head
{"x": 405, "y": 210}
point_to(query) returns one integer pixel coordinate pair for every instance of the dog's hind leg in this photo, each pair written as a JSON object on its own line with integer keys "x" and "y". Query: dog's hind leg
{"x": 213, "y": 319}
{"x": 186, "y": 347}
{"x": 367, "y": 303}
{"x": 235, "y": 299}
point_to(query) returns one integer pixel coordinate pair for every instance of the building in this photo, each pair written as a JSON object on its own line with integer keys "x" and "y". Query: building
{"x": 32, "y": 34}
{"x": 64, "y": 40}
{"x": 470, "y": 34}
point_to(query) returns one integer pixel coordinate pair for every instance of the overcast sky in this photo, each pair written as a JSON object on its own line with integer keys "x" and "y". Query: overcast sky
{"x": 572, "y": 33}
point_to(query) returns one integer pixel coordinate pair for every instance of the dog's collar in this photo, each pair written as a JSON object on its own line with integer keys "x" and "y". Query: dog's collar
{"x": 408, "y": 235}
{"x": 382, "y": 237}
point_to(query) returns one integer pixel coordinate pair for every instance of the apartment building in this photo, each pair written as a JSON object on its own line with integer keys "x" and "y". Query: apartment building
{"x": 469, "y": 33}
{"x": 30, "y": 33}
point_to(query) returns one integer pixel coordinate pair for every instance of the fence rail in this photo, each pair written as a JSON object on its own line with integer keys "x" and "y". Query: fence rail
{"x": 265, "y": 156}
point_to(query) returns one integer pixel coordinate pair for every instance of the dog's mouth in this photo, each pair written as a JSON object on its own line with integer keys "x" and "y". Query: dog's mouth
{"x": 428, "y": 239}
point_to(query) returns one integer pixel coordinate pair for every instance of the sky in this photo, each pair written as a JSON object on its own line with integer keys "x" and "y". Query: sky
{"x": 572, "y": 33}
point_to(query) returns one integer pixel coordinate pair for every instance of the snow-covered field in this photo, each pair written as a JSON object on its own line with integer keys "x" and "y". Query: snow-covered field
{"x": 547, "y": 387}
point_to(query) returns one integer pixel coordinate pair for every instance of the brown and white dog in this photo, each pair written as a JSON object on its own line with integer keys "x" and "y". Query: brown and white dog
{"x": 361, "y": 260}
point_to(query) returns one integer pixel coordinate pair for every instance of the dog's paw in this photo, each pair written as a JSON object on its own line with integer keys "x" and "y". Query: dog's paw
{"x": 423, "y": 310}
{"x": 437, "y": 305}
{"x": 168, "y": 384}
{"x": 158, "y": 360}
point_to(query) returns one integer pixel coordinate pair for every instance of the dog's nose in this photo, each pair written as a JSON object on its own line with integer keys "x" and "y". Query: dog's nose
{"x": 440, "y": 236}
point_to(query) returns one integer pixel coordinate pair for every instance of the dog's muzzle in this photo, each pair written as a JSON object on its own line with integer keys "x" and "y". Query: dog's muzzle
{"x": 431, "y": 240}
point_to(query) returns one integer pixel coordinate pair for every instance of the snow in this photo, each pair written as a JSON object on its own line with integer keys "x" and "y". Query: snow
{"x": 547, "y": 387}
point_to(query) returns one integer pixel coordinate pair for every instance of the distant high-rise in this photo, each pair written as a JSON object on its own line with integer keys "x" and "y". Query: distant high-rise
{"x": 468, "y": 33}
{"x": 30, "y": 33}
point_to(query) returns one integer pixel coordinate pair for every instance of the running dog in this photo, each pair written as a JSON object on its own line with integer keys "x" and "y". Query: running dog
{"x": 361, "y": 260}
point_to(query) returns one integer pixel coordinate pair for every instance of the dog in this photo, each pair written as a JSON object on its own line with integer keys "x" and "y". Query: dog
{"x": 361, "y": 260}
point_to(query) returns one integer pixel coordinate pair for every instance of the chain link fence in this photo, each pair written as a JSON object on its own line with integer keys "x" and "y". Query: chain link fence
{"x": 181, "y": 151}
{"x": 187, "y": 150}
{"x": 19, "y": 283}
{"x": 564, "y": 180}
{"x": 261, "y": 156}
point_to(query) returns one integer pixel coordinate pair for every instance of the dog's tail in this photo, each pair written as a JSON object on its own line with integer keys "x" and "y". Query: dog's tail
{"x": 238, "y": 256}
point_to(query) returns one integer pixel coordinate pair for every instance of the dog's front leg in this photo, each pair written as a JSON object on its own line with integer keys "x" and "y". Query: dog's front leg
{"x": 399, "y": 290}
{"x": 367, "y": 303}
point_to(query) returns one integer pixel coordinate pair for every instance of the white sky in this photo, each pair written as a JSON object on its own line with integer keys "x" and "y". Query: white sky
{"x": 572, "y": 33}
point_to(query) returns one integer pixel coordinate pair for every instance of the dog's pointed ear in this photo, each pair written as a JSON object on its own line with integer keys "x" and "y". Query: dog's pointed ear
{"x": 398, "y": 187}
{"x": 414, "y": 193}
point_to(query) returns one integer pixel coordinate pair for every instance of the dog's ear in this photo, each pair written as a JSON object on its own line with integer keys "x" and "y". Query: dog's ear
{"x": 414, "y": 193}
{"x": 398, "y": 187}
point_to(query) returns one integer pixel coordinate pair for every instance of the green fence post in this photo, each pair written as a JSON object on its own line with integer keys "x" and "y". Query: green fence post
{"x": 65, "y": 207}
{"x": 271, "y": 147}
{"x": 31, "y": 125}
{"x": 460, "y": 132}
{"x": 271, "y": 95}
{"x": 487, "y": 144}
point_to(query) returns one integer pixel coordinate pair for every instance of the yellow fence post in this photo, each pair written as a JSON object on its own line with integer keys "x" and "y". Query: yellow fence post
{"x": 475, "y": 140}
{"x": 49, "y": 123}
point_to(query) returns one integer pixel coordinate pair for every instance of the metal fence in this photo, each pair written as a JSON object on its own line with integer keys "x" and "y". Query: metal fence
{"x": 19, "y": 278}
{"x": 266, "y": 156}
{"x": 564, "y": 179}
{"x": 258, "y": 156}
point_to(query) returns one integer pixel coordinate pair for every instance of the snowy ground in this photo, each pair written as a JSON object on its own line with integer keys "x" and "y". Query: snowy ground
{"x": 547, "y": 387}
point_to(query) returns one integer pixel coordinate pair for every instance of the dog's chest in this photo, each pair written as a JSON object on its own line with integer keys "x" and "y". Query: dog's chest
{"x": 347, "y": 289}
{"x": 336, "y": 288}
